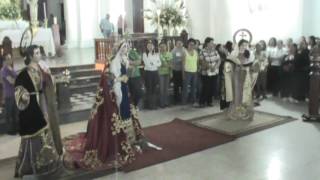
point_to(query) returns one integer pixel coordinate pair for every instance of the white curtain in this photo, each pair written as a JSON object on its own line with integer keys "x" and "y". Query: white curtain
{"x": 83, "y": 19}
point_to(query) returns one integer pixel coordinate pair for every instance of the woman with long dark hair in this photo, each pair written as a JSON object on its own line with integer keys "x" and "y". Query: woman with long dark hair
{"x": 152, "y": 62}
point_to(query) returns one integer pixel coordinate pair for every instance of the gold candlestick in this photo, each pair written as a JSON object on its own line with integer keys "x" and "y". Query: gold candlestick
{"x": 45, "y": 23}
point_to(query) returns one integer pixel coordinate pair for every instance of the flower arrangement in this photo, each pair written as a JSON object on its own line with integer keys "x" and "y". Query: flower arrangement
{"x": 172, "y": 14}
{"x": 10, "y": 10}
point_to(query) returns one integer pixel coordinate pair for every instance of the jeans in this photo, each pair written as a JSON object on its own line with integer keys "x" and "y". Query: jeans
{"x": 189, "y": 81}
{"x": 164, "y": 90}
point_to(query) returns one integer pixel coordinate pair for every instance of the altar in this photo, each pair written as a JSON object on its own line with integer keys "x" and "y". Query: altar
{"x": 43, "y": 37}
{"x": 13, "y": 24}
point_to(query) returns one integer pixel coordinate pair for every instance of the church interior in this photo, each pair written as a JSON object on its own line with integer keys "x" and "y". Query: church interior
{"x": 160, "y": 89}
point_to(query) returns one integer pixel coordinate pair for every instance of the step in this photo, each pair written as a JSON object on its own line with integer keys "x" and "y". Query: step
{"x": 84, "y": 78}
{"x": 91, "y": 87}
{"x": 84, "y": 72}
{"x": 59, "y": 69}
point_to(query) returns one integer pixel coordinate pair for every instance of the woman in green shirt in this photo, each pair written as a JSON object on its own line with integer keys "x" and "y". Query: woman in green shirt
{"x": 164, "y": 73}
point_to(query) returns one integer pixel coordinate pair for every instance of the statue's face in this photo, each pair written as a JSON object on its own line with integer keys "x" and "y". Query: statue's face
{"x": 36, "y": 55}
{"x": 124, "y": 50}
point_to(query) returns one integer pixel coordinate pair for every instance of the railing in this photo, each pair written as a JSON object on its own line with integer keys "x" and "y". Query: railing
{"x": 103, "y": 50}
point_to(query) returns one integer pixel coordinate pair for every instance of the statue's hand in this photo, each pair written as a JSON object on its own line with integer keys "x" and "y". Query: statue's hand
{"x": 124, "y": 78}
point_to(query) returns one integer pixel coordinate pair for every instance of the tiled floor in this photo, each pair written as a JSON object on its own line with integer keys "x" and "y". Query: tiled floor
{"x": 286, "y": 152}
{"x": 86, "y": 98}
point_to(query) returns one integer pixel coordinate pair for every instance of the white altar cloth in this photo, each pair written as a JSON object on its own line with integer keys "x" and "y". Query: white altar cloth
{"x": 13, "y": 24}
{"x": 43, "y": 38}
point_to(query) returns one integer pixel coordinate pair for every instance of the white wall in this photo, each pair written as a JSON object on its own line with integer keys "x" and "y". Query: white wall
{"x": 72, "y": 21}
{"x": 263, "y": 18}
{"x": 216, "y": 18}
{"x": 316, "y": 17}
{"x": 199, "y": 13}
{"x": 279, "y": 18}
{"x": 311, "y": 18}
{"x": 220, "y": 26}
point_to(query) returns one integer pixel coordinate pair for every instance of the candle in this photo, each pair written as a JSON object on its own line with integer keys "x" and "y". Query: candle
{"x": 158, "y": 13}
{"x": 44, "y": 10}
{"x": 123, "y": 17}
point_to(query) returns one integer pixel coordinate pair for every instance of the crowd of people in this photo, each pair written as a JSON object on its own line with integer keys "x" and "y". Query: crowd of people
{"x": 234, "y": 74}
{"x": 196, "y": 72}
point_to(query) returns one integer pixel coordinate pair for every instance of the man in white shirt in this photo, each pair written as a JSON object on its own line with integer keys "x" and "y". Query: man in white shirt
{"x": 106, "y": 27}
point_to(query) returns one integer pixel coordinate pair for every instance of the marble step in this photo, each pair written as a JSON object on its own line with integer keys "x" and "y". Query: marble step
{"x": 84, "y": 72}
{"x": 89, "y": 87}
{"x": 84, "y": 80}
{"x": 59, "y": 69}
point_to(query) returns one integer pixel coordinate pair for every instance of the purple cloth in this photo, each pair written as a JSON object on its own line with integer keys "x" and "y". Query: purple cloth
{"x": 8, "y": 89}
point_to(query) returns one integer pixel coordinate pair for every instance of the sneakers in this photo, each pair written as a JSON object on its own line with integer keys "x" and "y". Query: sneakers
{"x": 195, "y": 105}
{"x": 268, "y": 96}
{"x": 291, "y": 99}
{"x": 210, "y": 104}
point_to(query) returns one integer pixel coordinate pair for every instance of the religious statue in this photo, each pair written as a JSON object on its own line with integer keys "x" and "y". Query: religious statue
{"x": 114, "y": 134}
{"x": 41, "y": 146}
{"x": 313, "y": 115}
{"x": 33, "y": 5}
{"x": 240, "y": 74}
